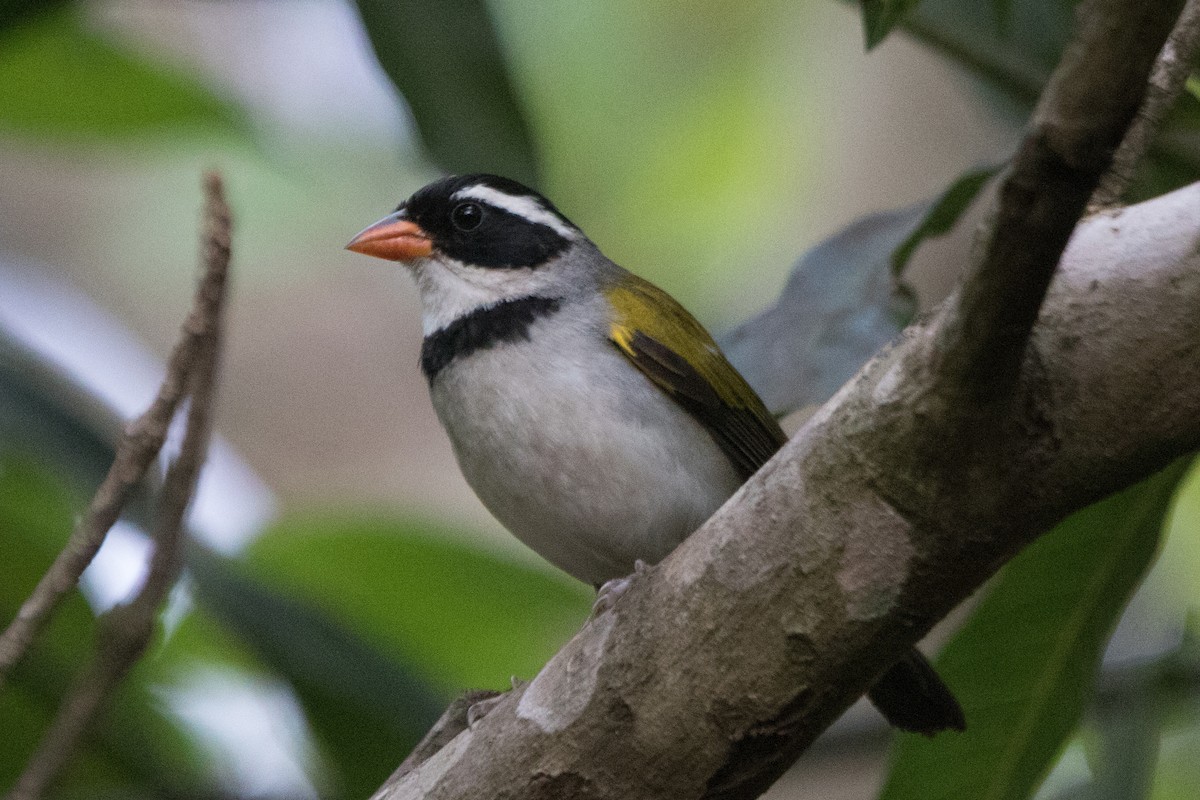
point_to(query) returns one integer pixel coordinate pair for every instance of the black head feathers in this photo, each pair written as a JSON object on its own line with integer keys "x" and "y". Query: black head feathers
{"x": 489, "y": 221}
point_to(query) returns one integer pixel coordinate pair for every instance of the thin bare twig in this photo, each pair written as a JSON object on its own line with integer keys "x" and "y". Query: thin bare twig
{"x": 1080, "y": 120}
{"x": 136, "y": 450}
{"x": 1167, "y": 81}
{"x": 124, "y": 632}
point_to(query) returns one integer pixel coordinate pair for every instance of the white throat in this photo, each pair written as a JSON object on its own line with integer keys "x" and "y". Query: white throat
{"x": 450, "y": 289}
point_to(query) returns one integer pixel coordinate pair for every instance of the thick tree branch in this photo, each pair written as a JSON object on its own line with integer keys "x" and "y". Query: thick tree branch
{"x": 1167, "y": 81}
{"x": 124, "y": 632}
{"x": 847, "y": 547}
{"x": 1079, "y": 122}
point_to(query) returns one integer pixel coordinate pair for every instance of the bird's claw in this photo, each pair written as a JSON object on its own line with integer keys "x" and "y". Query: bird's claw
{"x": 611, "y": 591}
{"x": 481, "y": 708}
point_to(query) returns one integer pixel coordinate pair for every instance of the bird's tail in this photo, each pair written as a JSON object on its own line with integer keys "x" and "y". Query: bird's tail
{"x": 912, "y": 696}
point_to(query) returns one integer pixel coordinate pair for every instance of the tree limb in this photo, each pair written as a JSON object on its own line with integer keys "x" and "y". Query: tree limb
{"x": 1079, "y": 121}
{"x": 1167, "y": 81}
{"x": 124, "y": 632}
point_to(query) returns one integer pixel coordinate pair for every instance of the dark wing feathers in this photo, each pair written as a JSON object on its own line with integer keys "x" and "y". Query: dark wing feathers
{"x": 694, "y": 373}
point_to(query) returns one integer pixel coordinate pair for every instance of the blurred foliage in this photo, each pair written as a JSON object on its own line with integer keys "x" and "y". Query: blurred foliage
{"x": 844, "y": 299}
{"x": 880, "y": 16}
{"x": 841, "y": 303}
{"x": 374, "y": 621}
{"x": 447, "y": 63}
{"x": 680, "y": 136}
{"x": 1125, "y": 749}
{"x": 1023, "y": 664}
{"x": 58, "y": 80}
{"x": 345, "y": 683}
{"x": 46, "y": 413}
{"x": 378, "y": 622}
{"x": 136, "y": 745}
{"x": 37, "y": 416}
{"x": 460, "y": 613}
{"x": 1011, "y": 47}
{"x": 943, "y": 214}
{"x": 14, "y": 11}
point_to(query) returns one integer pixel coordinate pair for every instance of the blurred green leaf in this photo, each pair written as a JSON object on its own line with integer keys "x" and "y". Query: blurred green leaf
{"x": 1176, "y": 153}
{"x": 1024, "y": 663}
{"x": 943, "y": 214}
{"x": 881, "y": 16}
{"x": 1178, "y": 772}
{"x": 1013, "y": 53}
{"x": 448, "y": 64}
{"x": 60, "y": 81}
{"x": 135, "y": 747}
{"x": 377, "y": 623}
{"x": 469, "y": 618}
{"x": 345, "y": 683}
{"x": 1125, "y": 749}
{"x": 13, "y": 12}
{"x": 43, "y": 411}
{"x": 1003, "y": 12}
{"x": 35, "y": 516}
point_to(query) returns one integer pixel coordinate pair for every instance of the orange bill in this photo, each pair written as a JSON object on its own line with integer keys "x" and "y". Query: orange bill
{"x": 394, "y": 239}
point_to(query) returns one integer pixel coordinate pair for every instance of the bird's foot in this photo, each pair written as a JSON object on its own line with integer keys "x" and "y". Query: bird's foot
{"x": 611, "y": 591}
{"x": 481, "y": 708}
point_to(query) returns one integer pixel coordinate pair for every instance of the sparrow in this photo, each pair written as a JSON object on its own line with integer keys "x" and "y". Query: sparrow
{"x": 593, "y": 416}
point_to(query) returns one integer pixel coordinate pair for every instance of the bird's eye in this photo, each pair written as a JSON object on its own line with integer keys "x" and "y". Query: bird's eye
{"x": 466, "y": 216}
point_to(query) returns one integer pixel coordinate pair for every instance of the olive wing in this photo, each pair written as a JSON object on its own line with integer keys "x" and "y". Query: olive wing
{"x": 674, "y": 351}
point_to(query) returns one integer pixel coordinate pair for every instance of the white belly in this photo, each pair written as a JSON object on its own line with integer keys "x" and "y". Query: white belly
{"x": 591, "y": 474}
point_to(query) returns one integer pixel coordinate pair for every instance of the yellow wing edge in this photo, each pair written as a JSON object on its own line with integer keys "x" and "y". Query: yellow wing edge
{"x": 640, "y": 306}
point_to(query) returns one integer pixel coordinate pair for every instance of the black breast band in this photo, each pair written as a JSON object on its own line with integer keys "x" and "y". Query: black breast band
{"x": 508, "y": 321}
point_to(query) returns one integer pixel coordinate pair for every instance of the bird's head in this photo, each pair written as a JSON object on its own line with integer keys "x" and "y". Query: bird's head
{"x": 475, "y": 240}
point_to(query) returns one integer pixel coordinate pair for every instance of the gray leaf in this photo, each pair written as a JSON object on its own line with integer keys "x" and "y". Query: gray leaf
{"x": 839, "y": 306}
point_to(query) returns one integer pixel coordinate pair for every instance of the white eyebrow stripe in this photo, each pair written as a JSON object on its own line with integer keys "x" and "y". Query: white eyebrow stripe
{"x": 523, "y": 206}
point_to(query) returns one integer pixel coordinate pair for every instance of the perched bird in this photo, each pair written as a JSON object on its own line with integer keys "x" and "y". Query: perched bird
{"x": 594, "y": 416}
